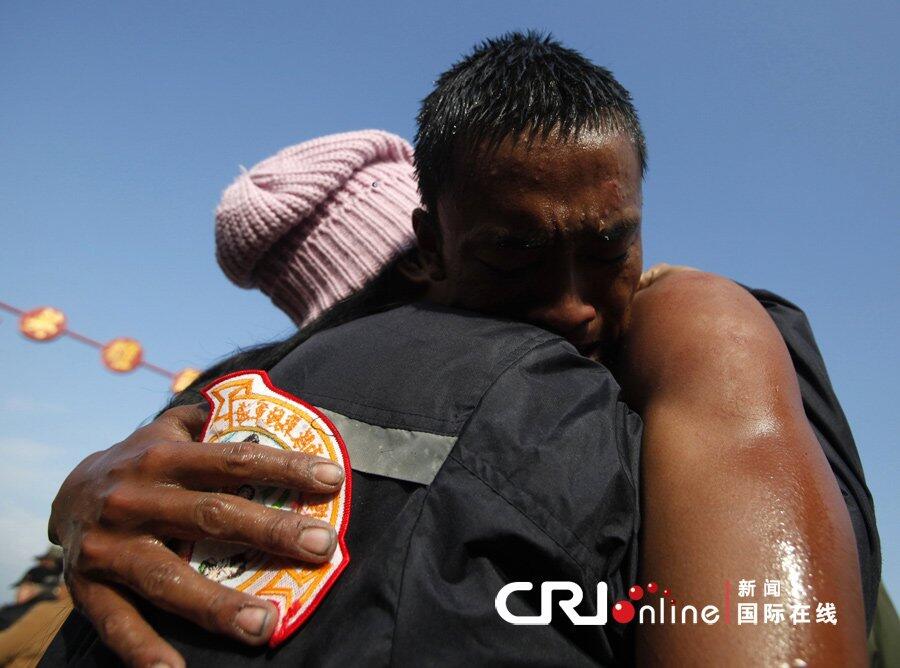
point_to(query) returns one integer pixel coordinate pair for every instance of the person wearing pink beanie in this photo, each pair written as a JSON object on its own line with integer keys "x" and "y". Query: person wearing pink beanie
{"x": 317, "y": 221}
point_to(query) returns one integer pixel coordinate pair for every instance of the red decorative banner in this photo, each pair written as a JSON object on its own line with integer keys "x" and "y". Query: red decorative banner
{"x": 121, "y": 355}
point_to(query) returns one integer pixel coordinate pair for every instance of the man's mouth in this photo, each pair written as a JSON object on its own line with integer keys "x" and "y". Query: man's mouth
{"x": 592, "y": 349}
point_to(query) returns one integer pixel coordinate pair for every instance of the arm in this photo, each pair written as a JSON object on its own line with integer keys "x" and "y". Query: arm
{"x": 830, "y": 426}
{"x": 115, "y": 511}
{"x": 734, "y": 484}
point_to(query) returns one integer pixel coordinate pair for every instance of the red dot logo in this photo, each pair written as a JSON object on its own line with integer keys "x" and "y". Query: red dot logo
{"x": 666, "y": 593}
{"x": 652, "y": 587}
{"x": 623, "y": 612}
{"x": 636, "y": 593}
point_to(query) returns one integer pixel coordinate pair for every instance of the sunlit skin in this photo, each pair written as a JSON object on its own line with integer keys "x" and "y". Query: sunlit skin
{"x": 547, "y": 232}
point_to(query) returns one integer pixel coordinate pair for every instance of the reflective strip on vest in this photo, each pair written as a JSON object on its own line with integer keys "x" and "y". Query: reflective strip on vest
{"x": 415, "y": 456}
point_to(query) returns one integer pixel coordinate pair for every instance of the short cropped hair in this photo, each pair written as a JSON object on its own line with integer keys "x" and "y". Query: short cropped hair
{"x": 520, "y": 85}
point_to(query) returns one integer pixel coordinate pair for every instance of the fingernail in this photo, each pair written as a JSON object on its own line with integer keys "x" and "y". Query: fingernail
{"x": 252, "y": 619}
{"x": 328, "y": 473}
{"x": 317, "y": 540}
{"x": 160, "y": 664}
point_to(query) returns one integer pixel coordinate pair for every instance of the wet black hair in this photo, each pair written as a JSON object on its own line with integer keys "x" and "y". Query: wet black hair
{"x": 517, "y": 85}
{"x": 388, "y": 290}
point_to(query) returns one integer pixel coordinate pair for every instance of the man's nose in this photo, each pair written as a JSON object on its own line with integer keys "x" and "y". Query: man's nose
{"x": 568, "y": 315}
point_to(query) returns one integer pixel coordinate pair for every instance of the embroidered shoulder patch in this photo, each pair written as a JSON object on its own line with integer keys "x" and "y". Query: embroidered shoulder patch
{"x": 246, "y": 406}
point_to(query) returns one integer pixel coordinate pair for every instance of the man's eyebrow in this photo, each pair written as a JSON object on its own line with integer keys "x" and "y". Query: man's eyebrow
{"x": 619, "y": 230}
{"x": 496, "y": 234}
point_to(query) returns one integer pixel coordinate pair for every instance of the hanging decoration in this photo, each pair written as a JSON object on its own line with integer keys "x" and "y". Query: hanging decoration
{"x": 42, "y": 324}
{"x": 121, "y": 355}
{"x": 184, "y": 378}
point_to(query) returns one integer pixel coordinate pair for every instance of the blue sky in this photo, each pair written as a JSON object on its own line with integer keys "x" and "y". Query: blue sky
{"x": 772, "y": 130}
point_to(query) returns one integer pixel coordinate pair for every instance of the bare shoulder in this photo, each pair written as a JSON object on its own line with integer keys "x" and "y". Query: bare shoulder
{"x": 696, "y": 309}
{"x": 701, "y": 339}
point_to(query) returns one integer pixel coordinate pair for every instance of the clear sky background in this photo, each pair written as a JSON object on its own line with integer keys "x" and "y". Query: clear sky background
{"x": 773, "y": 142}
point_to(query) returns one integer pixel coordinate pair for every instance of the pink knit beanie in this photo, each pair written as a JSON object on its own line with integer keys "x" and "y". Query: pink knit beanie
{"x": 317, "y": 221}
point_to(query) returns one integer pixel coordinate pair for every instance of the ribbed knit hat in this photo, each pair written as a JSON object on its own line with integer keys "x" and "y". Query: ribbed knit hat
{"x": 317, "y": 221}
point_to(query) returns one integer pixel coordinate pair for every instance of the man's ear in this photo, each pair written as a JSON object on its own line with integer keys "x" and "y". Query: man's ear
{"x": 410, "y": 267}
{"x": 428, "y": 240}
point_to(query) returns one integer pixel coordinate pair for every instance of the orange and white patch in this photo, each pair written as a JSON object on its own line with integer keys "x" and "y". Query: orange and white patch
{"x": 245, "y": 406}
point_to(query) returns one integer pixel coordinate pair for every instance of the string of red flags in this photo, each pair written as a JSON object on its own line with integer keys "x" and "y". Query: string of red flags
{"x": 121, "y": 355}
